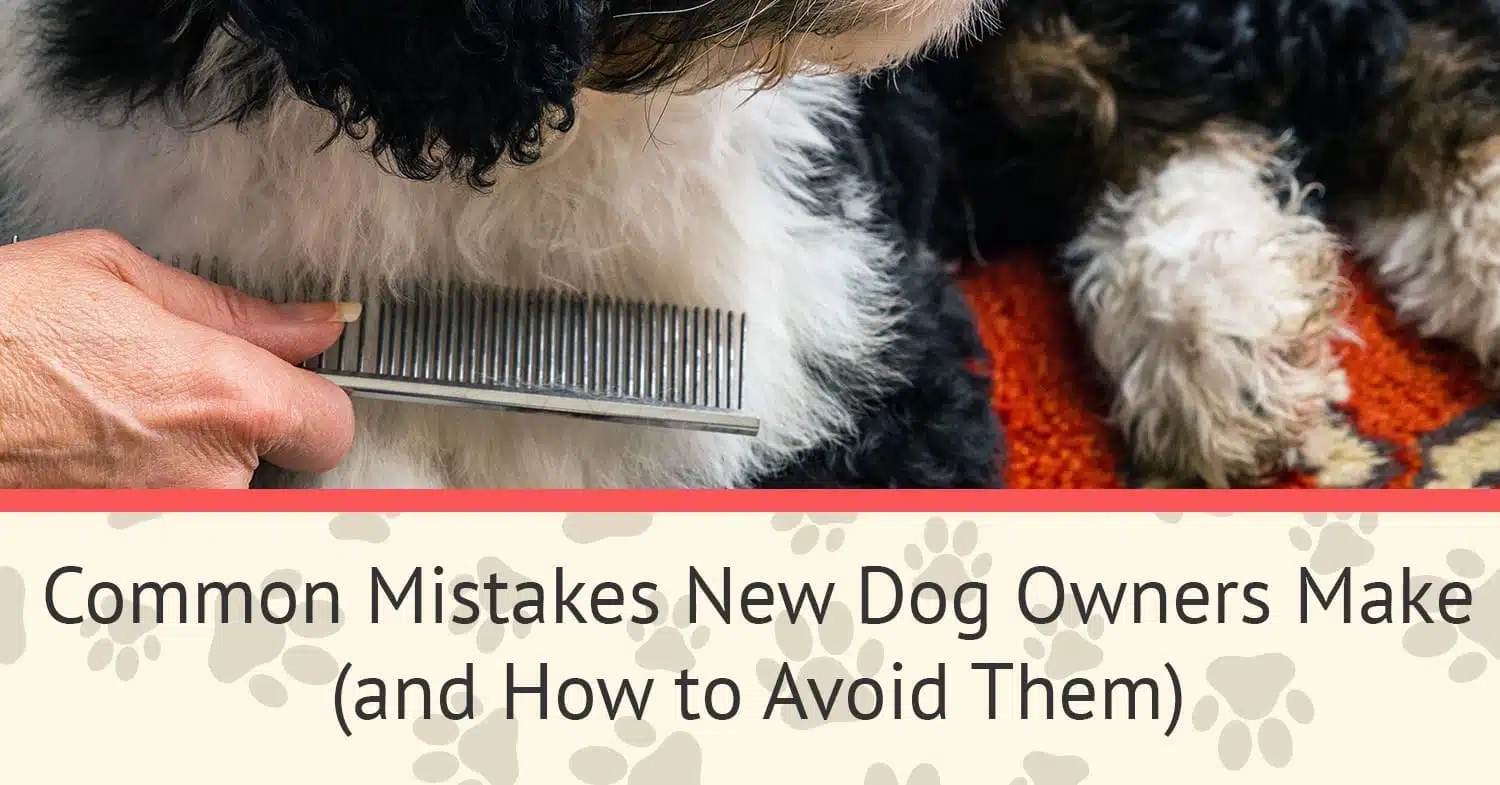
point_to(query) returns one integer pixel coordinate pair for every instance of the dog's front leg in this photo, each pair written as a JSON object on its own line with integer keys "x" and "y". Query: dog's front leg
{"x": 1424, "y": 191}
{"x": 1211, "y": 300}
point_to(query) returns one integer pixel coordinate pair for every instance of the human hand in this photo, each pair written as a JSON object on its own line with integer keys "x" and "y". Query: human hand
{"x": 119, "y": 371}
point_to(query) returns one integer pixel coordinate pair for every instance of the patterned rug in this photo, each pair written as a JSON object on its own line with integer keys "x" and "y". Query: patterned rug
{"x": 1419, "y": 415}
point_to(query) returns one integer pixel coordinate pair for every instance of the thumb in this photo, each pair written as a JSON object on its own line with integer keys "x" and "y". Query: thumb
{"x": 293, "y": 331}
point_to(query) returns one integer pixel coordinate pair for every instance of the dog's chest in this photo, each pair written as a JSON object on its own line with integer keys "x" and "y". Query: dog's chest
{"x": 699, "y": 209}
{"x": 612, "y": 240}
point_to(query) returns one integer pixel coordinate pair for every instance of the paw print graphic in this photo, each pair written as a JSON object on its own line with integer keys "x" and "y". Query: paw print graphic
{"x": 1067, "y": 646}
{"x": 1333, "y": 542}
{"x": 668, "y": 643}
{"x": 817, "y": 653}
{"x": 245, "y": 652}
{"x": 946, "y": 556}
{"x": 123, "y": 643}
{"x": 639, "y": 759}
{"x": 1253, "y": 688}
{"x": 921, "y": 774}
{"x": 1177, "y": 517}
{"x": 483, "y": 750}
{"x": 1043, "y": 768}
{"x": 586, "y": 528}
{"x": 125, "y": 520}
{"x": 1482, "y": 631}
{"x": 367, "y": 527}
{"x": 487, "y": 634}
{"x": 12, "y": 623}
{"x": 813, "y": 528}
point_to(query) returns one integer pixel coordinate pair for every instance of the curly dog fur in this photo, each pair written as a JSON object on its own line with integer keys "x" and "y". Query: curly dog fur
{"x": 1188, "y": 158}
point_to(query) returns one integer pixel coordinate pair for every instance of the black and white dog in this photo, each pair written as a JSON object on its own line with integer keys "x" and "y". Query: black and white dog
{"x": 708, "y": 152}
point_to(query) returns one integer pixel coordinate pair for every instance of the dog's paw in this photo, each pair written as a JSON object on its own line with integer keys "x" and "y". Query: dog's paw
{"x": 1441, "y": 265}
{"x": 1212, "y": 300}
{"x": 1225, "y": 411}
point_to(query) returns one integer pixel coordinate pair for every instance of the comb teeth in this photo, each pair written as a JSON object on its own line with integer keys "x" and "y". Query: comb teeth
{"x": 549, "y": 342}
{"x": 546, "y": 351}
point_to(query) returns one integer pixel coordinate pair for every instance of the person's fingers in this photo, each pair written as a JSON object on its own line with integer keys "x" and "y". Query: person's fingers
{"x": 307, "y": 423}
{"x": 294, "y": 332}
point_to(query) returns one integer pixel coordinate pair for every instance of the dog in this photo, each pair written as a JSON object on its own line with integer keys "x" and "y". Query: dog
{"x": 1197, "y": 166}
{"x": 707, "y": 153}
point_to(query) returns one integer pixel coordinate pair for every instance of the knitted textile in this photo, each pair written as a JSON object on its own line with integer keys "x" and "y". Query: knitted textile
{"x": 1419, "y": 414}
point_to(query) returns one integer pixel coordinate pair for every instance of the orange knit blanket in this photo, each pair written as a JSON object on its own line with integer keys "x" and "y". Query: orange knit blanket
{"x": 1419, "y": 414}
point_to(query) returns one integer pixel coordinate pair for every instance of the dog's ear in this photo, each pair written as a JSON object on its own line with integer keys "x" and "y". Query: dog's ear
{"x": 433, "y": 86}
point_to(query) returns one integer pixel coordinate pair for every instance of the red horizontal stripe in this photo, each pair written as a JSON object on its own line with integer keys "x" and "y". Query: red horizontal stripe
{"x": 1024, "y": 501}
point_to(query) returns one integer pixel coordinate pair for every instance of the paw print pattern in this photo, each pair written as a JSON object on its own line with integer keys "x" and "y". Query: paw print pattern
{"x": 669, "y": 643}
{"x": 585, "y": 528}
{"x": 361, "y": 527}
{"x": 123, "y": 643}
{"x": 487, "y": 634}
{"x": 819, "y": 653}
{"x": 812, "y": 529}
{"x": 1332, "y": 545}
{"x": 1253, "y": 688}
{"x": 638, "y": 758}
{"x": 921, "y": 774}
{"x": 1067, "y": 646}
{"x": 1482, "y": 631}
{"x": 12, "y": 623}
{"x": 946, "y": 556}
{"x": 125, "y": 520}
{"x": 242, "y": 652}
{"x": 483, "y": 751}
{"x": 1177, "y": 517}
{"x": 1046, "y": 769}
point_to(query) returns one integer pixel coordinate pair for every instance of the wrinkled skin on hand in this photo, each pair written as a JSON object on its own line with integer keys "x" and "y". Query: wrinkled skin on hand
{"x": 117, "y": 371}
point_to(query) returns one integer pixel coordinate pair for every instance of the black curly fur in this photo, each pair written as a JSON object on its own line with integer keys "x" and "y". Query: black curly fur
{"x": 100, "y": 54}
{"x": 1026, "y": 165}
{"x": 440, "y": 87}
{"x": 454, "y": 86}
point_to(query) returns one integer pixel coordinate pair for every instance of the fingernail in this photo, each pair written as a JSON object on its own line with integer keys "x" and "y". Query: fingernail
{"x": 322, "y": 312}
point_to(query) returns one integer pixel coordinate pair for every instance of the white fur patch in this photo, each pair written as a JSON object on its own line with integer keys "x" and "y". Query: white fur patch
{"x": 1441, "y": 267}
{"x": 1211, "y": 307}
{"x": 897, "y": 31}
{"x": 688, "y": 200}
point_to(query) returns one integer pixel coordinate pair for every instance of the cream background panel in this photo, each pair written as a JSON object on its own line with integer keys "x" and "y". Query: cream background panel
{"x": 195, "y": 703}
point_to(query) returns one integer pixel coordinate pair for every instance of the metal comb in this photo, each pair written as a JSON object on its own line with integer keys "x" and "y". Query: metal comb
{"x": 543, "y": 351}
